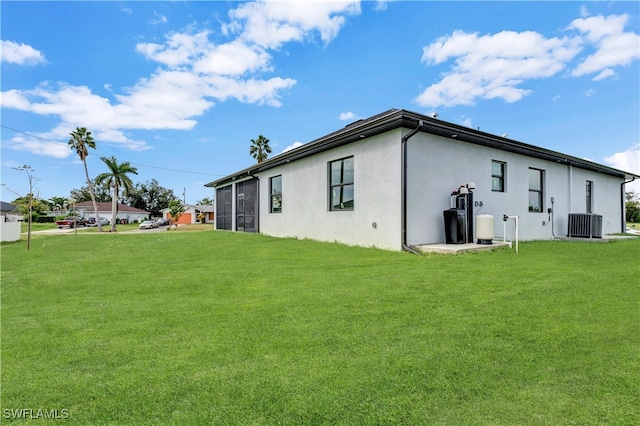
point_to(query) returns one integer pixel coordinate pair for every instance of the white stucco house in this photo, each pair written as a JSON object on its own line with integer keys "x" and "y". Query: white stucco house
{"x": 126, "y": 213}
{"x": 386, "y": 182}
{"x": 10, "y": 222}
{"x": 192, "y": 212}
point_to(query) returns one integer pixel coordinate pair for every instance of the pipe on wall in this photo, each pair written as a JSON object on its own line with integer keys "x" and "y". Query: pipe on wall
{"x": 403, "y": 190}
{"x": 570, "y": 188}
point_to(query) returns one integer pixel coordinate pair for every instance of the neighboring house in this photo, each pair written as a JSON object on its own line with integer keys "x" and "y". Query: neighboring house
{"x": 130, "y": 214}
{"x": 192, "y": 212}
{"x": 386, "y": 181}
{"x": 8, "y": 209}
{"x": 9, "y": 222}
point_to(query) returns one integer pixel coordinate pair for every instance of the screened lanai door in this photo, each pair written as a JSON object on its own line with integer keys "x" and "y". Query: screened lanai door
{"x": 247, "y": 206}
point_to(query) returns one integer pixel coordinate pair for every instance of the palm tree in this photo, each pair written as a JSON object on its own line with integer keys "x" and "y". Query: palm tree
{"x": 260, "y": 148}
{"x": 176, "y": 208}
{"x": 57, "y": 203}
{"x": 116, "y": 178}
{"x": 81, "y": 140}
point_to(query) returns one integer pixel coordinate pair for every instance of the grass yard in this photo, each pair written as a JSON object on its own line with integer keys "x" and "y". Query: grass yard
{"x": 197, "y": 328}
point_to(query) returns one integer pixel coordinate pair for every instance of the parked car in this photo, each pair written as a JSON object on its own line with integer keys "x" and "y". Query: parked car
{"x": 163, "y": 222}
{"x": 103, "y": 221}
{"x": 71, "y": 221}
{"x": 148, "y": 224}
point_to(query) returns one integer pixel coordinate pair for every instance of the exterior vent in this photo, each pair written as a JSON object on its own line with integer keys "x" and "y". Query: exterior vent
{"x": 583, "y": 225}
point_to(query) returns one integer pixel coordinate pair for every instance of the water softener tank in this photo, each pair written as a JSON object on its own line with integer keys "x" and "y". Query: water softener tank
{"x": 484, "y": 229}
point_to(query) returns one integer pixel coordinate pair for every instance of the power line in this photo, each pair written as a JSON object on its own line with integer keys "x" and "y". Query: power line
{"x": 176, "y": 170}
{"x": 33, "y": 136}
{"x": 136, "y": 164}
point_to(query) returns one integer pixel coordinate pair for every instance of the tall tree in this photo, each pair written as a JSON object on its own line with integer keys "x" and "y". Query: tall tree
{"x": 260, "y": 148}
{"x": 117, "y": 177}
{"x": 38, "y": 207}
{"x": 81, "y": 140}
{"x": 206, "y": 201}
{"x": 101, "y": 192}
{"x": 632, "y": 206}
{"x": 57, "y": 203}
{"x": 150, "y": 196}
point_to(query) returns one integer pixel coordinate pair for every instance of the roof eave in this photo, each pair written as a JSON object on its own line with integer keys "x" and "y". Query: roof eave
{"x": 394, "y": 119}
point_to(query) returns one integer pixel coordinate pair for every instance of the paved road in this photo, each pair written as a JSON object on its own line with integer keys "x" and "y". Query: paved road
{"x": 105, "y": 228}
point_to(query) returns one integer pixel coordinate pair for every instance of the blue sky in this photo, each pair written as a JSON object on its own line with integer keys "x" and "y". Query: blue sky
{"x": 178, "y": 89}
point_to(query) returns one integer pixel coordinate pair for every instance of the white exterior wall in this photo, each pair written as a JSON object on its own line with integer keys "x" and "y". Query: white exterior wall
{"x": 9, "y": 228}
{"x": 130, "y": 216}
{"x": 305, "y": 203}
{"x": 437, "y": 166}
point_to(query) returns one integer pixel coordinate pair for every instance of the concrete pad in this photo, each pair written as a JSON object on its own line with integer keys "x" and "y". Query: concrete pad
{"x": 458, "y": 248}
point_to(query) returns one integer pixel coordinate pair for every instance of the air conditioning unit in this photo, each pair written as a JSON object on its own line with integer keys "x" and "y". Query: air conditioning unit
{"x": 584, "y": 225}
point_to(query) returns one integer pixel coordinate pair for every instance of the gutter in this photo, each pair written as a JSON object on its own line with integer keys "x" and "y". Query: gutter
{"x": 624, "y": 204}
{"x": 403, "y": 190}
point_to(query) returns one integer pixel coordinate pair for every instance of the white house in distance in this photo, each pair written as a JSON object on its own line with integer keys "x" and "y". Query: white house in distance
{"x": 10, "y": 224}
{"x": 127, "y": 213}
{"x": 191, "y": 214}
{"x": 387, "y": 181}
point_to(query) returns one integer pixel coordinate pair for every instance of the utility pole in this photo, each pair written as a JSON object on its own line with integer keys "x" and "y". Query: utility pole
{"x": 29, "y": 170}
{"x": 184, "y": 195}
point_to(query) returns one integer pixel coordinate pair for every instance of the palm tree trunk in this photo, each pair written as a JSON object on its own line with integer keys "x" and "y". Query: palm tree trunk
{"x": 114, "y": 208}
{"x": 93, "y": 197}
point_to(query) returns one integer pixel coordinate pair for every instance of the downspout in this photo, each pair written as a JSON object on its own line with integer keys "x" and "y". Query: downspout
{"x": 403, "y": 190}
{"x": 570, "y": 188}
{"x": 624, "y": 204}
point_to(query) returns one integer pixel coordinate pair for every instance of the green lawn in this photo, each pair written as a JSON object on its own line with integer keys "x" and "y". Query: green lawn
{"x": 199, "y": 328}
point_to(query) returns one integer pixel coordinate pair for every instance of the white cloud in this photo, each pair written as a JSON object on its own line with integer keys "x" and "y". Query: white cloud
{"x": 467, "y": 122}
{"x": 498, "y": 65}
{"x": 235, "y": 58}
{"x": 194, "y": 74}
{"x": 271, "y": 24}
{"x": 180, "y": 49}
{"x": 627, "y": 161}
{"x": 38, "y": 144}
{"x": 614, "y": 47}
{"x": 249, "y": 91}
{"x": 166, "y": 100}
{"x": 492, "y": 66}
{"x": 347, "y": 116}
{"x": 606, "y": 73}
{"x": 158, "y": 19}
{"x": 381, "y": 5}
{"x": 20, "y": 54}
{"x": 589, "y": 93}
{"x": 292, "y": 146}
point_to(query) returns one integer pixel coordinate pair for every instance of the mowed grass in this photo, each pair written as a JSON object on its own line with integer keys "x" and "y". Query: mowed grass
{"x": 195, "y": 328}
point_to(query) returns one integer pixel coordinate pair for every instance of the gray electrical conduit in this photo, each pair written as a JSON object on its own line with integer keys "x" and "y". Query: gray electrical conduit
{"x": 405, "y": 138}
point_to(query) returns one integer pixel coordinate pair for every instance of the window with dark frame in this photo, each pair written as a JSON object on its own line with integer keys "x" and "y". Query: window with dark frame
{"x": 341, "y": 187}
{"x": 536, "y": 186}
{"x": 275, "y": 185}
{"x": 498, "y": 174}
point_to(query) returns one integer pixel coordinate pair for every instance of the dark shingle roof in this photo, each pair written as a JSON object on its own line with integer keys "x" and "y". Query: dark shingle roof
{"x": 7, "y": 207}
{"x": 397, "y": 118}
{"x": 106, "y": 207}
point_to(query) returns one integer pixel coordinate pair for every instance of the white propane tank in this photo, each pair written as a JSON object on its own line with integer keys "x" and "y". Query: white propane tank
{"x": 484, "y": 229}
